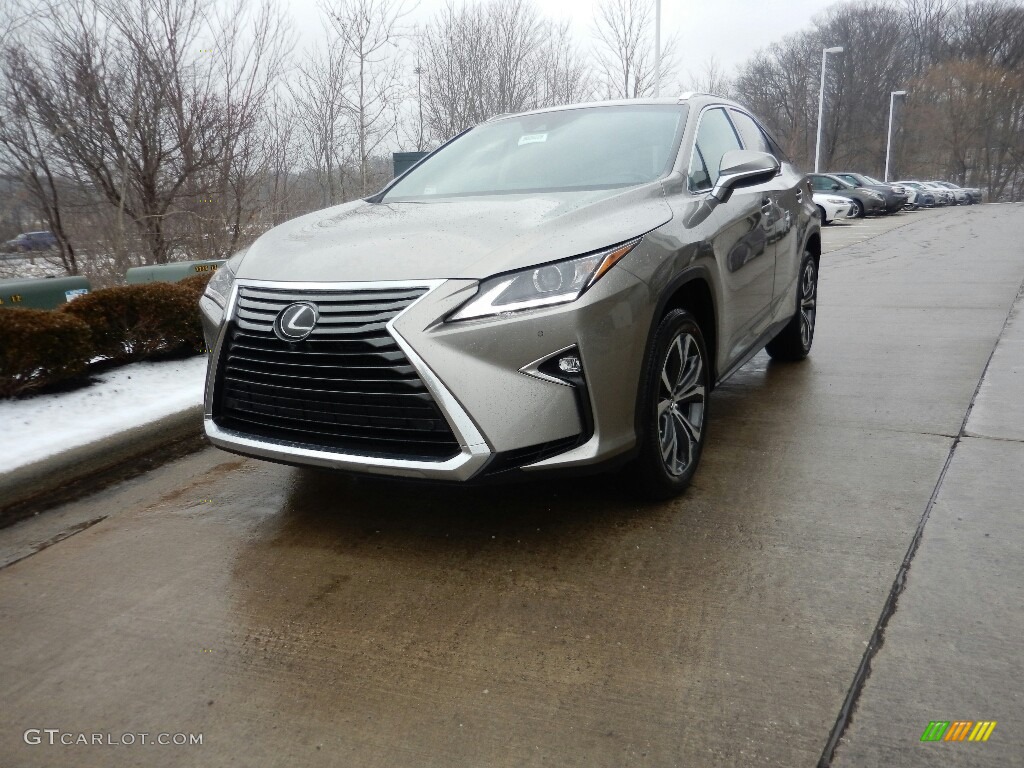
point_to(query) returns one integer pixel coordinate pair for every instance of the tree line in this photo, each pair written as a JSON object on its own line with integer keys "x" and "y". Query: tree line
{"x": 142, "y": 132}
{"x": 961, "y": 63}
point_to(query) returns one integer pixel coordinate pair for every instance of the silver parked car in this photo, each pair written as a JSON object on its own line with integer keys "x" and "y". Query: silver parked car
{"x": 554, "y": 290}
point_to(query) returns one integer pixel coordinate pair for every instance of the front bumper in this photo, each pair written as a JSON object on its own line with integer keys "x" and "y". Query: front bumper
{"x": 483, "y": 376}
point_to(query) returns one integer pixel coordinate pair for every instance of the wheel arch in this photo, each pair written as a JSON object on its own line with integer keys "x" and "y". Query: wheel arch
{"x": 692, "y": 290}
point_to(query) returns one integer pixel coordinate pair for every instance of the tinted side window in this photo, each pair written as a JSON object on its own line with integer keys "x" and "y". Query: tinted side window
{"x": 715, "y": 137}
{"x": 821, "y": 183}
{"x": 750, "y": 132}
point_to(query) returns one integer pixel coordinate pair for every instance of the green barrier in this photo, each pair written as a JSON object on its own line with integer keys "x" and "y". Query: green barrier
{"x": 170, "y": 273}
{"x": 403, "y": 161}
{"x": 41, "y": 293}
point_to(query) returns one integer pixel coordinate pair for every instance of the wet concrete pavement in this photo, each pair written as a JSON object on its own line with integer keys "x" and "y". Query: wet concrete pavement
{"x": 297, "y": 618}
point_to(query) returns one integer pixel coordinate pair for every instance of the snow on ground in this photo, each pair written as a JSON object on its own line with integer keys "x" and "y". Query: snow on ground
{"x": 121, "y": 398}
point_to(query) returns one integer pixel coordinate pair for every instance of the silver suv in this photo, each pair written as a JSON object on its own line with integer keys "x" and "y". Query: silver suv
{"x": 554, "y": 290}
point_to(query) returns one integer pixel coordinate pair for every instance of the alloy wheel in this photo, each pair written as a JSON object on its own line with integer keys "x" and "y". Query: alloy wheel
{"x": 808, "y": 301}
{"x": 681, "y": 398}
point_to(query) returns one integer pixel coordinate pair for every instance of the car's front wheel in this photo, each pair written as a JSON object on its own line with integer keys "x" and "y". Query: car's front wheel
{"x": 858, "y": 212}
{"x": 674, "y": 407}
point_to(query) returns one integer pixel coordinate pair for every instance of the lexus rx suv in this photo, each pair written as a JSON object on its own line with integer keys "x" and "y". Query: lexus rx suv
{"x": 554, "y": 290}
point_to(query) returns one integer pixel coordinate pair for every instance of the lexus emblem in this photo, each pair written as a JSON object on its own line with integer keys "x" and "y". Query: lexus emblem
{"x": 296, "y": 321}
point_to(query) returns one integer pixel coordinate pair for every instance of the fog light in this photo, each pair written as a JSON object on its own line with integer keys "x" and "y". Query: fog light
{"x": 569, "y": 364}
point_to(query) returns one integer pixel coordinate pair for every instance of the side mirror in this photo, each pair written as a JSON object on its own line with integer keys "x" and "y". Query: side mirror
{"x": 743, "y": 168}
{"x": 836, "y": 187}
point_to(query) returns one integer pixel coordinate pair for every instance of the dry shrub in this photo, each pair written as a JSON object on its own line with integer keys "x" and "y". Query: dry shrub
{"x": 39, "y": 348}
{"x": 135, "y": 322}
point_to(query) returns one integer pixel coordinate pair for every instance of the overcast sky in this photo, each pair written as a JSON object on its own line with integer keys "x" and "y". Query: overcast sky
{"x": 729, "y": 30}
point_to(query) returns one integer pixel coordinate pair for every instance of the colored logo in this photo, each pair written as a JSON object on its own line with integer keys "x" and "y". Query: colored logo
{"x": 296, "y": 321}
{"x": 958, "y": 730}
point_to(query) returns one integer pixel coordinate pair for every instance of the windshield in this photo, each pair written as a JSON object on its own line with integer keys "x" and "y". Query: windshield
{"x": 573, "y": 149}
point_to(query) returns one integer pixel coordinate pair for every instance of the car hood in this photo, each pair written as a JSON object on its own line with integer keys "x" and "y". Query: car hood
{"x": 451, "y": 237}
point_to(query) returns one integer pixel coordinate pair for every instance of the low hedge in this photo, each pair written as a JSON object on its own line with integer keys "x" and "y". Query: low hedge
{"x": 135, "y": 322}
{"x": 39, "y": 347}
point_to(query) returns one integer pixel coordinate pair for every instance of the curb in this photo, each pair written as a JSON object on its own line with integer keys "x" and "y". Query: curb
{"x": 28, "y": 490}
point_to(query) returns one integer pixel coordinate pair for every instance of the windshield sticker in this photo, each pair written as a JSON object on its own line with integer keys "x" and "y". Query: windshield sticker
{"x": 532, "y": 138}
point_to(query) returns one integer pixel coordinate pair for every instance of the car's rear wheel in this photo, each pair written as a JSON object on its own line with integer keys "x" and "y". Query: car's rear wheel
{"x": 674, "y": 407}
{"x": 795, "y": 340}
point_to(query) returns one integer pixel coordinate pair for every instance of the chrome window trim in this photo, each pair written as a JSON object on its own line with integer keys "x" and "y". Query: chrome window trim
{"x": 475, "y": 450}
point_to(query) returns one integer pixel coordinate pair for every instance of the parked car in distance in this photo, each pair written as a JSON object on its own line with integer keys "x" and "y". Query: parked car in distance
{"x": 943, "y": 196}
{"x": 964, "y": 195}
{"x": 866, "y": 202}
{"x": 923, "y": 197}
{"x": 32, "y": 241}
{"x": 601, "y": 266}
{"x": 895, "y": 196}
{"x": 832, "y": 207}
{"x": 960, "y": 196}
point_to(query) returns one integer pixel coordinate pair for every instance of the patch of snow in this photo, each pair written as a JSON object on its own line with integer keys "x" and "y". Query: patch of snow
{"x": 121, "y": 398}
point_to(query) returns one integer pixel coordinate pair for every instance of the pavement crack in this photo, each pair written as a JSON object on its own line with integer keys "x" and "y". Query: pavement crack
{"x": 67, "y": 533}
{"x": 877, "y": 638}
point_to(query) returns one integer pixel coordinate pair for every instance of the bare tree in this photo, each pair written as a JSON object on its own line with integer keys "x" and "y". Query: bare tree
{"x": 491, "y": 58}
{"x": 323, "y": 117}
{"x": 248, "y": 56}
{"x": 624, "y": 30}
{"x": 369, "y": 31}
{"x": 711, "y": 78}
{"x": 565, "y": 74}
{"x": 26, "y": 155}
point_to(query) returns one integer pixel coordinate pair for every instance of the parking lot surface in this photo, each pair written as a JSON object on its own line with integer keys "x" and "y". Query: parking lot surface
{"x": 297, "y": 618}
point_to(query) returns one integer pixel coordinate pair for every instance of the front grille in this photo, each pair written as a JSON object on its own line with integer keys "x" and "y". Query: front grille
{"x": 348, "y": 387}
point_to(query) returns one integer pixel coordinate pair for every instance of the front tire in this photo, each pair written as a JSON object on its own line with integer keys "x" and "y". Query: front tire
{"x": 859, "y": 212}
{"x": 674, "y": 407}
{"x": 794, "y": 341}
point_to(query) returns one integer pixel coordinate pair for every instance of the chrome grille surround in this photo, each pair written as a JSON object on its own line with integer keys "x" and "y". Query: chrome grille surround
{"x": 473, "y": 450}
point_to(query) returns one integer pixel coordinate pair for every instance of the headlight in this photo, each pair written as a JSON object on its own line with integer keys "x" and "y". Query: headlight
{"x": 542, "y": 286}
{"x": 837, "y": 200}
{"x": 876, "y": 195}
{"x": 219, "y": 287}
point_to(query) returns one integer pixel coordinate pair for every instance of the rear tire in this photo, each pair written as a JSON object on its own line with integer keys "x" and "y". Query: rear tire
{"x": 794, "y": 341}
{"x": 673, "y": 408}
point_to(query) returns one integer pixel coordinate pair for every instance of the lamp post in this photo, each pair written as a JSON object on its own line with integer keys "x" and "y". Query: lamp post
{"x": 888, "y": 137}
{"x": 657, "y": 48}
{"x": 821, "y": 102}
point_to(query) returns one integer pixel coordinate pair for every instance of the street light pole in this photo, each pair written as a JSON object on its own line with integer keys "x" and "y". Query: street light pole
{"x": 888, "y": 136}
{"x": 657, "y": 48}
{"x": 821, "y": 102}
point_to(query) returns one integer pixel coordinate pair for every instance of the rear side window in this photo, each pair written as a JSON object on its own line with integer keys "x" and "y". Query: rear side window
{"x": 750, "y": 132}
{"x": 715, "y": 137}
